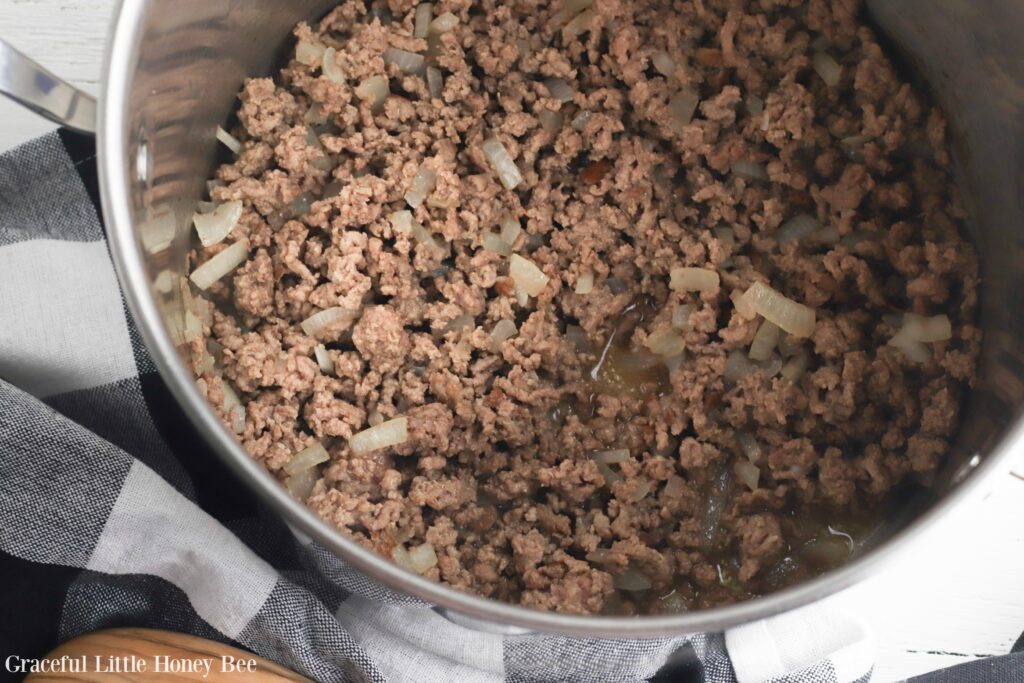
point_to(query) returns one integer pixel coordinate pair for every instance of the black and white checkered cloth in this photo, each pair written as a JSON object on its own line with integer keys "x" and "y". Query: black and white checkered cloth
{"x": 113, "y": 511}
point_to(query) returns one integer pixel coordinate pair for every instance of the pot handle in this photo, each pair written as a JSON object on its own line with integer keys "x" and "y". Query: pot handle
{"x": 32, "y": 86}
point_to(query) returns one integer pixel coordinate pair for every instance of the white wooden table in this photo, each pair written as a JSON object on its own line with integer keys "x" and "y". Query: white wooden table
{"x": 957, "y": 597}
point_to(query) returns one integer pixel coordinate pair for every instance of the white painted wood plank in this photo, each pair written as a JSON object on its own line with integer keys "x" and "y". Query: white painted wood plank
{"x": 68, "y": 38}
{"x": 958, "y": 597}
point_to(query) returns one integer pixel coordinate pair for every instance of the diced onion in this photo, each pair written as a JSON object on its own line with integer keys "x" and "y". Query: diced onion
{"x": 609, "y": 475}
{"x": 460, "y": 323}
{"x": 328, "y": 317}
{"x": 682, "y": 106}
{"x": 493, "y": 243}
{"x": 580, "y": 121}
{"x": 374, "y": 418}
{"x": 754, "y": 104}
{"x": 307, "y": 458}
{"x": 444, "y": 23}
{"x": 764, "y": 341}
{"x": 425, "y": 237}
{"x": 308, "y": 53}
{"x": 747, "y": 472}
{"x": 580, "y": 24}
{"x": 229, "y": 140}
{"x": 206, "y": 207}
{"x": 749, "y": 445}
{"x": 795, "y": 318}
{"x": 400, "y": 556}
{"x": 585, "y": 283}
{"x": 435, "y": 82}
{"x": 666, "y": 343}
{"x": 551, "y": 121}
{"x": 681, "y": 317}
{"x": 193, "y": 327}
{"x": 748, "y": 170}
{"x": 633, "y": 580}
{"x": 323, "y": 359}
{"x": 409, "y": 62}
{"x": 220, "y": 265}
{"x": 422, "y": 185}
{"x": 502, "y": 332}
{"x": 796, "y": 366}
{"x": 694, "y": 280}
{"x": 300, "y": 485}
{"x": 529, "y": 279}
{"x": 502, "y": 163}
{"x": 233, "y": 407}
{"x": 559, "y": 89}
{"x": 331, "y": 69}
{"x": 401, "y": 222}
{"x": 743, "y": 307}
{"x": 422, "y": 558}
{"x": 215, "y": 226}
{"x": 725, "y": 235}
{"x": 738, "y": 366}
{"x": 424, "y": 14}
{"x": 924, "y": 329}
{"x": 390, "y": 433}
{"x": 663, "y": 63}
{"x": 510, "y": 230}
{"x": 913, "y": 350}
{"x": 612, "y": 457}
{"x": 374, "y": 90}
{"x": 797, "y": 228}
{"x": 828, "y": 68}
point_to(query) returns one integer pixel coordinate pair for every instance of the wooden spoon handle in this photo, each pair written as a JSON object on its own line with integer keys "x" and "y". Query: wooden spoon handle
{"x": 148, "y": 655}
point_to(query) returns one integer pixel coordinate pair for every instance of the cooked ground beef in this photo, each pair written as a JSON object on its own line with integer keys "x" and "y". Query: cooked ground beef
{"x": 716, "y": 477}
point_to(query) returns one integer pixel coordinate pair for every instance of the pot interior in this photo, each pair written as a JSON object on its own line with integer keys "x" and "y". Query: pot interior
{"x": 177, "y": 65}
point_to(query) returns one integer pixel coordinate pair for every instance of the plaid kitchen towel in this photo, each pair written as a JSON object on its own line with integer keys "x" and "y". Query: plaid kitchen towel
{"x": 113, "y": 512}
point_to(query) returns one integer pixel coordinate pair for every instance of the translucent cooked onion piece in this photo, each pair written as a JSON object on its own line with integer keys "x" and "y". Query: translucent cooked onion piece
{"x": 925, "y": 329}
{"x": 795, "y": 318}
{"x": 828, "y": 68}
{"x": 408, "y": 62}
{"x": 307, "y": 458}
{"x": 748, "y": 170}
{"x": 580, "y": 24}
{"x": 401, "y": 222}
{"x": 749, "y": 445}
{"x": 666, "y": 343}
{"x": 400, "y": 556}
{"x": 220, "y": 265}
{"x": 681, "y": 317}
{"x": 300, "y": 485}
{"x": 742, "y": 306}
{"x": 435, "y": 82}
{"x": 443, "y": 23}
{"x": 386, "y": 434}
{"x": 747, "y": 472}
{"x": 374, "y": 91}
{"x": 494, "y": 244}
{"x": 422, "y": 558}
{"x": 682, "y": 106}
{"x": 460, "y": 323}
{"x": 738, "y": 366}
{"x": 229, "y": 140}
{"x": 633, "y": 580}
{"x": 421, "y": 23}
{"x": 331, "y": 69}
{"x": 585, "y": 283}
{"x": 551, "y": 121}
{"x": 423, "y": 183}
{"x": 214, "y": 226}
{"x": 502, "y": 163}
{"x": 764, "y": 341}
{"x": 323, "y": 359}
{"x": 328, "y": 318}
{"x": 663, "y": 63}
{"x": 502, "y": 332}
{"x": 233, "y": 407}
{"x": 559, "y": 89}
{"x": 796, "y": 366}
{"x": 529, "y": 279}
{"x": 693, "y": 280}
{"x": 612, "y": 457}
{"x": 309, "y": 53}
{"x": 797, "y": 228}
{"x": 510, "y": 230}
{"x": 580, "y": 121}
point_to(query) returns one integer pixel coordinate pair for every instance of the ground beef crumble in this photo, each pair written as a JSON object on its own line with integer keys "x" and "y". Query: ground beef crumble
{"x": 499, "y": 474}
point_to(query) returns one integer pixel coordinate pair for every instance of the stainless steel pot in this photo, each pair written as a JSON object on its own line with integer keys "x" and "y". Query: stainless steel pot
{"x": 172, "y": 71}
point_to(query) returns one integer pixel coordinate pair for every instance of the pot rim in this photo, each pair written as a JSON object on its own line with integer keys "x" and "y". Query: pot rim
{"x": 114, "y": 175}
